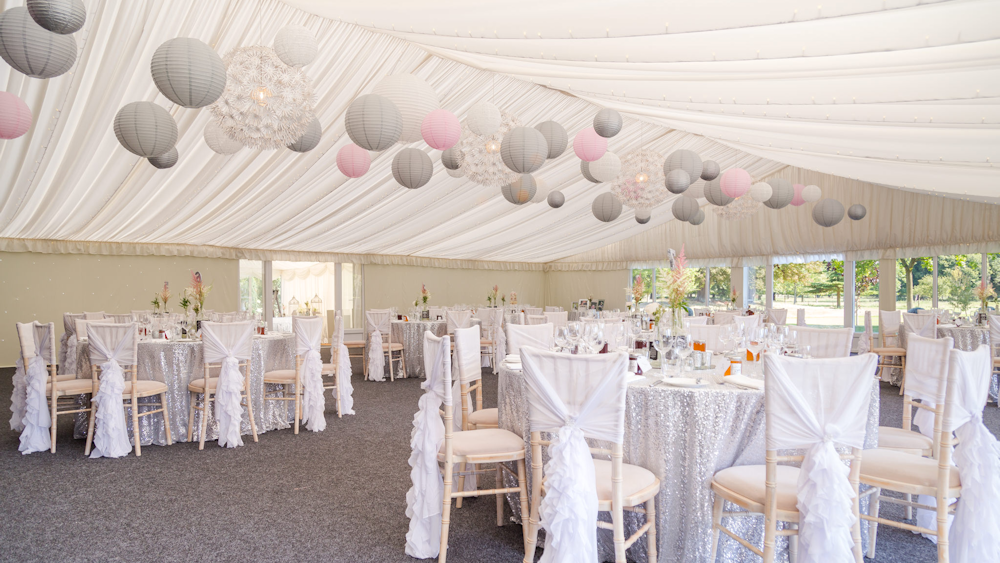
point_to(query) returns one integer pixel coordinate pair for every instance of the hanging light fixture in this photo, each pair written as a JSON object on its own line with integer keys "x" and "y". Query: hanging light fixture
{"x": 493, "y": 146}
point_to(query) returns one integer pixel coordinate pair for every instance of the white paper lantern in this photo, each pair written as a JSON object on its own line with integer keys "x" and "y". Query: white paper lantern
{"x": 811, "y": 193}
{"x": 31, "y": 49}
{"x": 698, "y": 218}
{"x": 585, "y": 170}
{"x": 412, "y": 168}
{"x": 218, "y": 141}
{"x": 828, "y": 212}
{"x": 761, "y": 191}
{"x": 457, "y": 173}
{"x": 696, "y": 190}
{"x": 677, "y": 181}
{"x": 857, "y": 212}
{"x": 145, "y": 129}
{"x": 684, "y": 208}
{"x": 556, "y": 199}
{"x": 606, "y": 168}
{"x": 58, "y": 16}
{"x": 414, "y": 98}
{"x": 188, "y": 72}
{"x": 607, "y": 122}
{"x": 542, "y": 190}
{"x": 453, "y": 158}
{"x": 310, "y": 137}
{"x": 373, "y": 122}
{"x": 606, "y": 207}
{"x": 642, "y": 216}
{"x": 165, "y": 160}
{"x": 714, "y": 195}
{"x": 710, "y": 170}
{"x": 524, "y": 150}
{"x": 520, "y": 191}
{"x": 555, "y": 137}
{"x": 295, "y": 45}
{"x": 483, "y": 119}
{"x": 685, "y": 160}
{"x": 782, "y": 193}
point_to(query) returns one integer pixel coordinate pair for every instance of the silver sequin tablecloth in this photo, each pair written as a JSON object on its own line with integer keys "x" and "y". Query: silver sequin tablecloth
{"x": 411, "y": 335}
{"x": 177, "y": 364}
{"x": 683, "y": 436}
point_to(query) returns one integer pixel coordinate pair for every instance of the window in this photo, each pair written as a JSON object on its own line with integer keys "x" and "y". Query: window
{"x": 719, "y": 280}
{"x": 252, "y": 286}
{"x": 646, "y": 277}
{"x": 352, "y": 305}
{"x": 817, "y": 287}
{"x": 958, "y": 277}
{"x": 756, "y": 294}
{"x": 915, "y": 283}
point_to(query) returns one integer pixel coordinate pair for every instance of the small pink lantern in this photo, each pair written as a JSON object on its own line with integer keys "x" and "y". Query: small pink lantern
{"x": 15, "y": 117}
{"x": 589, "y": 146}
{"x": 353, "y": 161}
{"x": 797, "y": 199}
{"x": 735, "y": 182}
{"x": 441, "y": 129}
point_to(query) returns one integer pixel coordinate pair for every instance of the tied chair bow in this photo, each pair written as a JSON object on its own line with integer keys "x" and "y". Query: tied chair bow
{"x": 229, "y": 389}
{"x": 308, "y": 334}
{"x": 110, "y": 435}
{"x": 35, "y": 419}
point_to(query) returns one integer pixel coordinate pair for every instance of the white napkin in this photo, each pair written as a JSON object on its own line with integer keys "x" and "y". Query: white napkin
{"x": 745, "y": 382}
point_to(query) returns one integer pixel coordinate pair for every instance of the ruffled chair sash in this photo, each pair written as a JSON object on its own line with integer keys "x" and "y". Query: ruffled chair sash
{"x": 344, "y": 386}
{"x": 110, "y": 433}
{"x": 228, "y": 396}
{"x": 36, "y": 423}
{"x": 313, "y": 399}
{"x": 19, "y": 398}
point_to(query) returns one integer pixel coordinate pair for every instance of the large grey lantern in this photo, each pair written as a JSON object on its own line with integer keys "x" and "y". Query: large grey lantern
{"x": 857, "y": 212}
{"x": 520, "y": 191}
{"x": 678, "y": 181}
{"x": 165, "y": 160}
{"x": 145, "y": 129}
{"x": 58, "y": 16}
{"x": 218, "y": 141}
{"x": 607, "y": 122}
{"x": 684, "y": 208}
{"x": 828, "y": 212}
{"x": 642, "y": 216}
{"x": 310, "y": 137}
{"x": 685, "y": 160}
{"x": 555, "y": 136}
{"x": 453, "y": 158}
{"x": 698, "y": 218}
{"x": 714, "y": 195}
{"x": 373, "y": 122}
{"x": 524, "y": 149}
{"x": 295, "y": 45}
{"x": 188, "y": 72}
{"x": 585, "y": 170}
{"x": 782, "y": 193}
{"x": 606, "y": 207}
{"x": 412, "y": 168}
{"x": 710, "y": 170}
{"x": 556, "y": 199}
{"x": 31, "y": 49}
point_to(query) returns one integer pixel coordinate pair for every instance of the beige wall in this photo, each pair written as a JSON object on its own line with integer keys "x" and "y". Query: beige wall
{"x": 44, "y": 286}
{"x": 564, "y": 288}
{"x": 399, "y": 286}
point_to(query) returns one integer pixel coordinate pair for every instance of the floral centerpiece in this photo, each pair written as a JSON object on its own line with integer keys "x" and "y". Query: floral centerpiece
{"x": 678, "y": 285}
{"x": 503, "y": 298}
{"x": 155, "y": 302}
{"x": 638, "y": 290}
{"x": 513, "y": 298}
{"x": 732, "y": 298}
{"x": 185, "y": 304}
{"x": 165, "y": 295}
{"x": 983, "y": 292}
{"x": 491, "y": 297}
{"x": 425, "y": 295}
{"x": 197, "y": 293}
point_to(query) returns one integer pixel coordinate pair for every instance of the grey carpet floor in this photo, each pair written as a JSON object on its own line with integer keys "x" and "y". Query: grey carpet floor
{"x": 335, "y": 496}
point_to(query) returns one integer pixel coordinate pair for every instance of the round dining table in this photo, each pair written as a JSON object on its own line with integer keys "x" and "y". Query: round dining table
{"x": 411, "y": 335}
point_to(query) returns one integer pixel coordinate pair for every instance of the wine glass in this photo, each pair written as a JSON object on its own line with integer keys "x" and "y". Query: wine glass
{"x": 727, "y": 338}
{"x": 661, "y": 341}
{"x": 562, "y": 338}
{"x": 755, "y": 341}
{"x": 595, "y": 337}
{"x": 574, "y": 331}
{"x": 682, "y": 349}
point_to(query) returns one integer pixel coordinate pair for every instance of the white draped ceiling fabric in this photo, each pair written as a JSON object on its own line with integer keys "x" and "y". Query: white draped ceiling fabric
{"x": 892, "y": 93}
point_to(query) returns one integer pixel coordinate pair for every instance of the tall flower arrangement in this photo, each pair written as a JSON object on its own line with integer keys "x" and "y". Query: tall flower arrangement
{"x": 491, "y": 297}
{"x": 983, "y": 292}
{"x": 197, "y": 292}
{"x": 638, "y": 289}
{"x": 425, "y": 295}
{"x": 678, "y": 286}
{"x": 165, "y": 295}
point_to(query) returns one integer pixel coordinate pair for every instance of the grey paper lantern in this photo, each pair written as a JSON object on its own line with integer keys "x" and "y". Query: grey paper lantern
{"x": 165, "y": 160}
{"x": 457, "y": 173}
{"x": 857, "y": 212}
{"x": 684, "y": 208}
{"x": 218, "y": 141}
{"x": 696, "y": 190}
{"x": 642, "y": 216}
{"x": 373, "y": 122}
{"x": 412, "y": 168}
{"x": 828, "y": 212}
{"x": 145, "y": 129}
{"x": 414, "y": 98}
{"x": 782, "y": 193}
{"x": 295, "y": 45}
{"x": 606, "y": 207}
{"x": 710, "y": 170}
{"x": 58, "y": 16}
{"x": 555, "y": 137}
{"x": 31, "y": 49}
{"x": 678, "y": 181}
{"x": 483, "y": 118}
{"x": 606, "y": 168}
{"x": 607, "y": 122}
{"x": 188, "y": 72}
{"x": 524, "y": 149}
{"x": 685, "y": 160}
{"x": 714, "y": 195}
{"x": 453, "y": 158}
{"x": 585, "y": 170}
{"x": 310, "y": 137}
{"x": 556, "y": 199}
{"x": 698, "y": 218}
{"x": 520, "y": 191}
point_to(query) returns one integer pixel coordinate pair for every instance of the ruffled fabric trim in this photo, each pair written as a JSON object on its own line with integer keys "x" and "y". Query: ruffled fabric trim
{"x": 825, "y": 507}
{"x": 499, "y": 346}
{"x": 569, "y": 508}
{"x": 71, "y": 366}
{"x": 376, "y": 359}
{"x": 228, "y": 410}
{"x": 110, "y": 434}
{"x": 423, "y": 500}
{"x": 344, "y": 386}
{"x": 19, "y": 397}
{"x": 975, "y": 533}
{"x": 35, "y": 436}
{"x": 313, "y": 398}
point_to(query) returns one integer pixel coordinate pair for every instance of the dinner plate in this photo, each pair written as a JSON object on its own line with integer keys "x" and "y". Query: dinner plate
{"x": 685, "y": 382}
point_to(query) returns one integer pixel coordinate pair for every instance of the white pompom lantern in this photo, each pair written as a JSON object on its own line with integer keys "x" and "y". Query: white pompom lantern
{"x": 589, "y": 146}
{"x": 642, "y": 216}
{"x": 857, "y": 212}
{"x": 684, "y": 208}
{"x": 58, "y": 16}
{"x": 414, "y": 98}
{"x": 797, "y": 199}
{"x": 828, "y": 212}
{"x": 761, "y": 191}
{"x": 441, "y": 129}
{"x": 15, "y": 116}
{"x": 606, "y": 207}
{"x": 412, "y": 168}
{"x": 736, "y": 182}
{"x": 32, "y": 49}
{"x": 295, "y": 45}
{"x": 218, "y": 141}
{"x": 606, "y": 168}
{"x": 811, "y": 193}
{"x": 556, "y": 199}
{"x": 353, "y": 161}
{"x": 483, "y": 119}
{"x": 145, "y": 129}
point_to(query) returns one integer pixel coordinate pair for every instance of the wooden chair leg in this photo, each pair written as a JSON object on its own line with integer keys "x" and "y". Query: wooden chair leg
{"x": 902, "y": 383}
{"x": 194, "y": 398}
{"x": 793, "y": 548}
{"x": 908, "y": 509}
{"x": 53, "y": 417}
{"x": 402, "y": 363}
{"x": 392, "y": 376}
{"x": 445, "y": 511}
{"x": 166, "y": 418}
{"x": 531, "y": 533}
{"x": 872, "y": 525}
{"x": 90, "y": 426}
{"x": 135, "y": 424}
{"x": 461, "y": 482}
{"x": 253, "y": 422}
{"x": 205, "y": 405}
{"x": 298, "y": 406}
{"x": 720, "y": 503}
{"x": 499, "y": 485}
{"x": 651, "y": 533}
{"x": 522, "y": 484}
{"x": 336, "y": 393}
{"x": 942, "y": 527}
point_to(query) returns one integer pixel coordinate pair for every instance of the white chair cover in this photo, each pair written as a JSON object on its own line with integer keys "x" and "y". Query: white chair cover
{"x": 82, "y": 324}
{"x": 122, "y": 318}
{"x": 458, "y": 319}
{"x": 865, "y": 340}
{"x": 67, "y": 343}
{"x": 377, "y": 323}
{"x": 748, "y": 321}
{"x": 228, "y": 344}
{"x": 557, "y": 318}
{"x": 536, "y": 319}
{"x": 551, "y": 309}
{"x": 944, "y": 315}
{"x": 826, "y": 342}
{"x": 111, "y": 346}
{"x": 701, "y": 311}
{"x": 922, "y": 324}
{"x": 136, "y": 314}
{"x": 535, "y": 311}
{"x": 94, "y": 316}
{"x": 694, "y": 321}
{"x": 537, "y": 336}
{"x": 814, "y": 405}
{"x": 724, "y": 317}
{"x": 926, "y": 375}
{"x": 711, "y": 335}
{"x": 344, "y": 386}
{"x": 889, "y": 321}
{"x": 308, "y": 336}
{"x": 800, "y": 317}
{"x": 466, "y": 370}
{"x": 35, "y": 419}
{"x": 423, "y": 500}
{"x": 574, "y": 397}
{"x": 994, "y": 332}
{"x": 777, "y": 316}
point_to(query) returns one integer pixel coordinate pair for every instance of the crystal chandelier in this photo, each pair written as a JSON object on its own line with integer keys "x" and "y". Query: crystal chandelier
{"x": 640, "y": 183}
{"x": 483, "y": 164}
{"x": 738, "y": 209}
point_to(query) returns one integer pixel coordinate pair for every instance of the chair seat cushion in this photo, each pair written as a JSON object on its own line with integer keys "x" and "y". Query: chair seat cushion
{"x": 485, "y": 442}
{"x": 328, "y": 369}
{"x": 145, "y": 388}
{"x": 488, "y": 417}
{"x": 354, "y": 343}
{"x": 62, "y": 377}
{"x": 749, "y": 481}
{"x": 485, "y": 342}
{"x": 198, "y": 385}
{"x": 899, "y": 439}
{"x": 890, "y": 465}
{"x": 71, "y": 387}
{"x": 393, "y": 346}
{"x": 634, "y": 479}
{"x": 280, "y": 376}
{"x": 889, "y": 351}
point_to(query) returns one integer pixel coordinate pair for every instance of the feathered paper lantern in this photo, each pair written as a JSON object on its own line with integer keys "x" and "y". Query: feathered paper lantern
{"x": 483, "y": 119}
{"x": 353, "y": 161}
{"x": 15, "y": 116}
{"x": 441, "y": 129}
{"x": 588, "y": 145}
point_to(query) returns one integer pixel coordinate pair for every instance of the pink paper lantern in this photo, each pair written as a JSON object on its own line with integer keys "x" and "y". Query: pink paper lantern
{"x": 797, "y": 199}
{"x": 589, "y": 146}
{"x": 441, "y": 129}
{"x": 15, "y": 117}
{"x": 353, "y": 161}
{"x": 735, "y": 182}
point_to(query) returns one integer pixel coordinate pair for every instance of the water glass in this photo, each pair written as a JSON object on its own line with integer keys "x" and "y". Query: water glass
{"x": 562, "y": 338}
{"x": 682, "y": 348}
